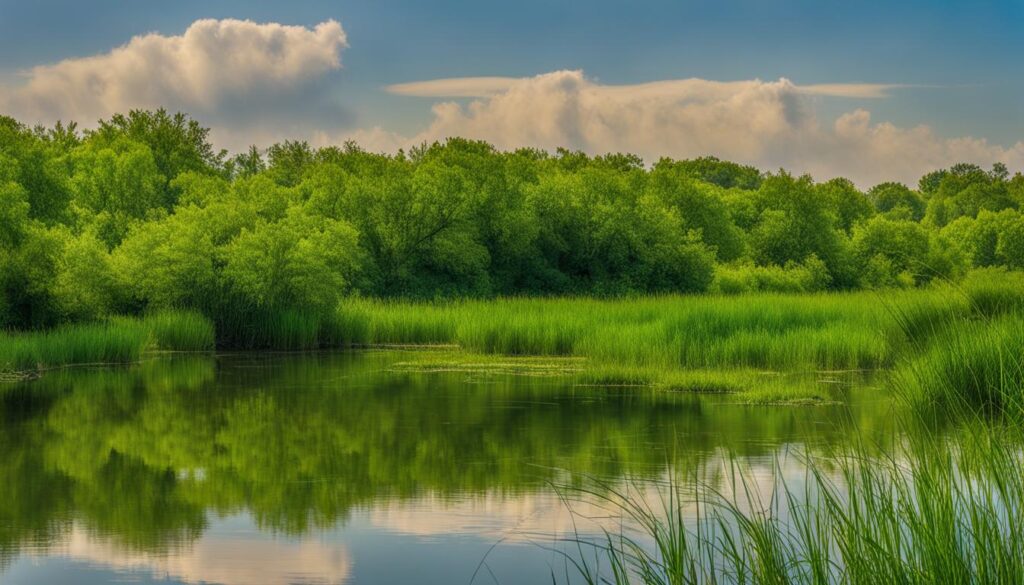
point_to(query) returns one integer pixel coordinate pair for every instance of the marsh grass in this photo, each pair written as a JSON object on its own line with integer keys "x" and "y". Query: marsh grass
{"x": 118, "y": 340}
{"x": 178, "y": 331}
{"x": 971, "y": 361}
{"x": 931, "y": 510}
{"x": 974, "y": 366}
{"x": 767, "y": 331}
{"x": 700, "y": 343}
{"x": 935, "y": 507}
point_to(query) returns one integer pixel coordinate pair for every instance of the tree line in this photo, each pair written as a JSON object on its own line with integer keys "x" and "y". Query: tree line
{"x": 143, "y": 212}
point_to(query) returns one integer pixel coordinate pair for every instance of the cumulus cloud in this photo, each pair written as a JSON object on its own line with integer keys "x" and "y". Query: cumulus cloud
{"x": 222, "y": 71}
{"x": 770, "y": 124}
{"x": 258, "y": 83}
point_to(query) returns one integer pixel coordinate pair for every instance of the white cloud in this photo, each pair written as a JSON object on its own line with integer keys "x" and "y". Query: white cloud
{"x": 491, "y": 86}
{"x": 218, "y": 70}
{"x": 769, "y": 124}
{"x": 258, "y": 83}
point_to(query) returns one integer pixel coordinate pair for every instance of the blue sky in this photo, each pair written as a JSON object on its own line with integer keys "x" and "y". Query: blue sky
{"x": 962, "y": 59}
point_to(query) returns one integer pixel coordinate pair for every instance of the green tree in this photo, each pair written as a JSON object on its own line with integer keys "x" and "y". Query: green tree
{"x": 300, "y": 262}
{"x": 603, "y": 238}
{"x": 966, "y": 190}
{"x": 116, "y": 186}
{"x": 890, "y": 198}
{"x": 288, "y": 162}
{"x": 851, "y": 207}
{"x": 899, "y": 246}
{"x": 171, "y": 262}
{"x": 178, "y": 143}
{"x": 85, "y": 285}
{"x": 701, "y": 208}
{"x": 37, "y": 161}
{"x": 794, "y": 222}
{"x": 725, "y": 174}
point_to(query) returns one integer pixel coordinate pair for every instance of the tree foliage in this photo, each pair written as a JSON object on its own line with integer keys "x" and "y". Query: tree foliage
{"x": 143, "y": 213}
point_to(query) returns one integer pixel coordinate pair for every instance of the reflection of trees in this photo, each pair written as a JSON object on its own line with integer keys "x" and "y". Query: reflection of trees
{"x": 140, "y": 455}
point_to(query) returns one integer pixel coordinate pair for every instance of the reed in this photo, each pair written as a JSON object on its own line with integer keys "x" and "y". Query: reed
{"x": 118, "y": 340}
{"x": 974, "y": 366}
{"x": 766, "y": 331}
{"x": 928, "y": 511}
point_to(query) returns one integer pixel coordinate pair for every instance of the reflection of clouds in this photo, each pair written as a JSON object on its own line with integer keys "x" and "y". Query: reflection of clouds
{"x": 235, "y": 551}
{"x": 493, "y": 515}
{"x": 226, "y": 559}
{"x": 750, "y": 483}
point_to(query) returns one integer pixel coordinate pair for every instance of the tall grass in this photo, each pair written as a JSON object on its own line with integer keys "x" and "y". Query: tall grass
{"x": 972, "y": 365}
{"x": 118, "y": 340}
{"x": 972, "y": 361}
{"x": 933, "y": 508}
{"x": 771, "y": 331}
{"x": 931, "y": 511}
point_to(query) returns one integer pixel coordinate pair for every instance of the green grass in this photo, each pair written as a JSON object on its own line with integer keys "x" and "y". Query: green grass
{"x": 993, "y": 291}
{"x": 951, "y": 341}
{"x": 693, "y": 343}
{"x": 767, "y": 331}
{"x": 930, "y": 511}
{"x": 933, "y": 507}
{"x": 971, "y": 361}
{"x": 119, "y": 340}
{"x": 974, "y": 366}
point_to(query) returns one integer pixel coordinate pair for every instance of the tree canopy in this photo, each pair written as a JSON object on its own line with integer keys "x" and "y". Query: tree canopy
{"x": 144, "y": 212}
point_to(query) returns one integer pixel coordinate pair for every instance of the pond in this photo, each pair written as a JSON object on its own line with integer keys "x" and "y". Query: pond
{"x": 344, "y": 468}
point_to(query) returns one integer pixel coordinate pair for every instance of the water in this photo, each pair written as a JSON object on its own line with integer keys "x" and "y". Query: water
{"x": 336, "y": 468}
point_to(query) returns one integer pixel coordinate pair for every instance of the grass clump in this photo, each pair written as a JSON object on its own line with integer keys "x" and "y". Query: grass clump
{"x": 928, "y": 511}
{"x": 970, "y": 361}
{"x": 76, "y": 344}
{"x": 974, "y": 366}
{"x": 994, "y": 291}
{"x": 180, "y": 331}
{"x": 118, "y": 340}
{"x": 673, "y": 342}
{"x": 767, "y": 331}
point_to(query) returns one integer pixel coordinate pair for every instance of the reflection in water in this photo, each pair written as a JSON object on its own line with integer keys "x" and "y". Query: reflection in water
{"x": 277, "y": 468}
{"x": 227, "y": 558}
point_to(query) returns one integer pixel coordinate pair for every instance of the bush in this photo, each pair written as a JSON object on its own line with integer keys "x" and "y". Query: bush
{"x": 810, "y": 276}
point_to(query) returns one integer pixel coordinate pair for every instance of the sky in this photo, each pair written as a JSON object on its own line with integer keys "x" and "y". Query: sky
{"x": 869, "y": 90}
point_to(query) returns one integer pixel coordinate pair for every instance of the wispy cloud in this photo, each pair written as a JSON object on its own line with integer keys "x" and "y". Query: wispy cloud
{"x": 481, "y": 87}
{"x": 852, "y": 90}
{"x": 455, "y": 87}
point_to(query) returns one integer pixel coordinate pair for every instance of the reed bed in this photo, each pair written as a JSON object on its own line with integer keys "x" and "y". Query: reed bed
{"x": 117, "y": 340}
{"x": 974, "y": 366}
{"x": 932, "y": 510}
{"x": 768, "y": 331}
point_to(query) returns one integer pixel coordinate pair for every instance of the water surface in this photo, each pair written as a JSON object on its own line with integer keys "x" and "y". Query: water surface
{"x": 337, "y": 468}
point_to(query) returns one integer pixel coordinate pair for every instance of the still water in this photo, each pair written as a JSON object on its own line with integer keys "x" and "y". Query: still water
{"x": 340, "y": 468}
